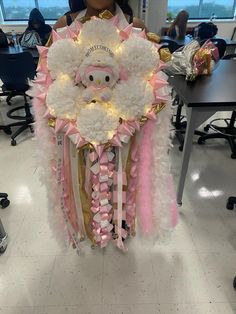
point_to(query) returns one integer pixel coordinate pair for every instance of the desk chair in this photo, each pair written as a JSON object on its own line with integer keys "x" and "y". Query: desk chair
{"x": 15, "y": 70}
{"x": 227, "y": 132}
{"x": 3, "y": 239}
{"x": 219, "y": 43}
{"x": 233, "y": 34}
{"x": 3, "y": 236}
{"x": 230, "y": 205}
{"x": 170, "y": 44}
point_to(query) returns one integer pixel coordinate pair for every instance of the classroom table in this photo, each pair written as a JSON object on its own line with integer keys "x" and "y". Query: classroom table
{"x": 203, "y": 98}
{"x": 19, "y": 49}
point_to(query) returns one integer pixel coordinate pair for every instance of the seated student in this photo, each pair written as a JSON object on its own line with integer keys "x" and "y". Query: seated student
{"x": 179, "y": 26}
{"x": 37, "y": 32}
{"x": 4, "y": 41}
{"x": 206, "y": 30}
{"x": 82, "y": 10}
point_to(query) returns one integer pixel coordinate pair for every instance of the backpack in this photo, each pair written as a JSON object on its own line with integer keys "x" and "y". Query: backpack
{"x": 3, "y": 40}
{"x": 30, "y": 39}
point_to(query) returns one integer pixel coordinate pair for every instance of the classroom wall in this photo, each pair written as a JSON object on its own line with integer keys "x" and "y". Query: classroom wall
{"x": 156, "y": 19}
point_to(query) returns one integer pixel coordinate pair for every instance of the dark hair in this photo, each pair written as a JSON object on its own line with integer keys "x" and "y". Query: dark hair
{"x": 3, "y": 39}
{"x": 180, "y": 21}
{"x": 79, "y": 5}
{"x": 207, "y": 30}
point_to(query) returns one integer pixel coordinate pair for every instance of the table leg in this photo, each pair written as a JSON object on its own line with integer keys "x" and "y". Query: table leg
{"x": 191, "y": 123}
{"x": 195, "y": 118}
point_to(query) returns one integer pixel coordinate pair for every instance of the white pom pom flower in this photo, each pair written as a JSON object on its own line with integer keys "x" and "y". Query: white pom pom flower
{"x": 133, "y": 98}
{"x": 62, "y": 98}
{"x": 97, "y": 124}
{"x": 138, "y": 56}
{"x": 99, "y": 32}
{"x": 64, "y": 57}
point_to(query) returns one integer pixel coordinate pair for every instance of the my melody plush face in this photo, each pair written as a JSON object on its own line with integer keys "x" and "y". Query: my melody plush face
{"x": 99, "y": 77}
{"x": 98, "y": 74}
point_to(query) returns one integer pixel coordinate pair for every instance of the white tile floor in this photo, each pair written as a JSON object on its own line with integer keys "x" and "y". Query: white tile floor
{"x": 190, "y": 274}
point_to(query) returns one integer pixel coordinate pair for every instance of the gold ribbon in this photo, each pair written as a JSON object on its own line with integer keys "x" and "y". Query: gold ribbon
{"x": 165, "y": 54}
{"x": 153, "y": 37}
{"x": 85, "y": 198}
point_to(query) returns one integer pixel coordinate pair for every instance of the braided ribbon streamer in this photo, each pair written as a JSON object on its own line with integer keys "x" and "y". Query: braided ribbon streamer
{"x": 102, "y": 180}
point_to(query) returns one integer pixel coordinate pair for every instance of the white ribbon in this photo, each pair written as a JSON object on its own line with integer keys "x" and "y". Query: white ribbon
{"x": 60, "y": 149}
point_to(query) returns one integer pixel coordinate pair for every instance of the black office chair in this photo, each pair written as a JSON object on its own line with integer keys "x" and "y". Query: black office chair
{"x": 230, "y": 205}
{"x": 15, "y": 70}
{"x": 3, "y": 236}
{"x": 219, "y": 43}
{"x": 227, "y": 132}
{"x": 3, "y": 239}
{"x": 233, "y": 34}
{"x": 170, "y": 44}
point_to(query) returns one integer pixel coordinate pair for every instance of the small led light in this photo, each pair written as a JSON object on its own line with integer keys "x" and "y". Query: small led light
{"x": 64, "y": 77}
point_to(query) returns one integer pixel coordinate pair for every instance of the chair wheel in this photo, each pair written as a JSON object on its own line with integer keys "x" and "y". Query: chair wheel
{"x": 207, "y": 128}
{"x": 184, "y": 124}
{"x": 234, "y": 283}
{"x": 181, "y": 148}
{"x": 230, "y": 206}
{"x": 5, "y": 203}
{"x": 31, "y": 129}
{"x": 3, "y": 249}
{"x": 201, "y": 141}
{"x": 7, "y": 130}
{"x": 13, "y": 142}
{"x": 233, "y": 156}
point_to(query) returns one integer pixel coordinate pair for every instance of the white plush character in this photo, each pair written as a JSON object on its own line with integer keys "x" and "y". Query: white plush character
{"x": 99, "y": 74}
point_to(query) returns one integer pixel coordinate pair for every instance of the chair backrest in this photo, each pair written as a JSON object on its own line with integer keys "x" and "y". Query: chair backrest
{"x": 219, "y": 43}
{"x": 233, "y": 34}
{"x": 170, "y": 44}
{"x": 230, "y": 56}
{"x": 16, "y": 69}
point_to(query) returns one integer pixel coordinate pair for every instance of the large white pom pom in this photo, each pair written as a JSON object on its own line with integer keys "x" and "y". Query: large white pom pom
{"x": 64, "y": 57}
{"x": 99, "y": 32}
{"x": 97, "y": 124}
{"x": 62, "y": 98}
{"x": 138, "y": 56}
{"x": 133, "y": 98}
